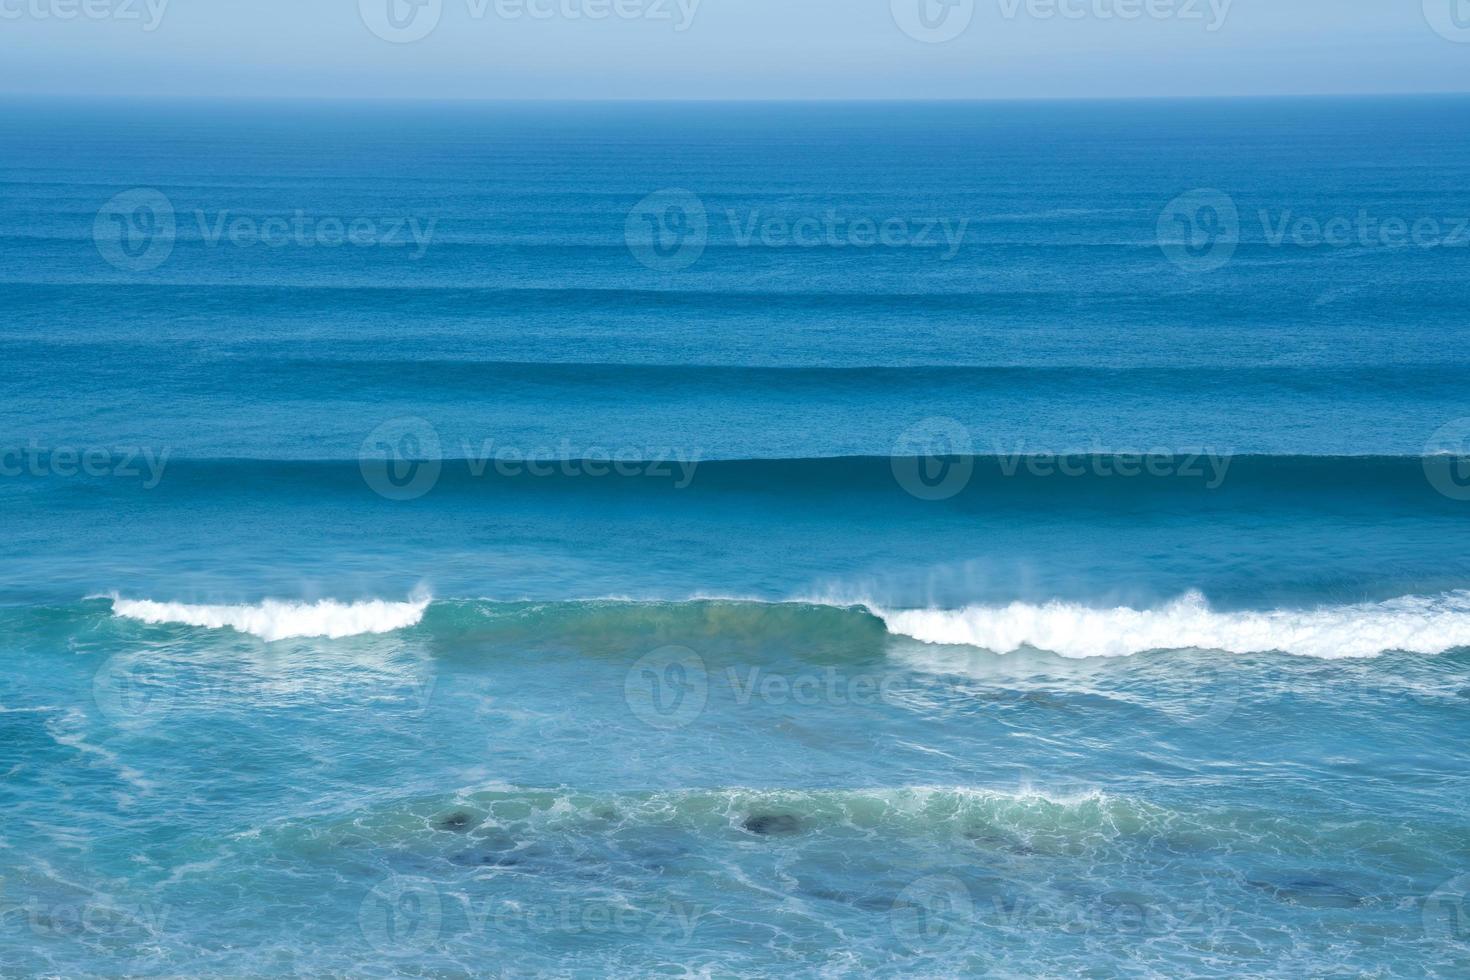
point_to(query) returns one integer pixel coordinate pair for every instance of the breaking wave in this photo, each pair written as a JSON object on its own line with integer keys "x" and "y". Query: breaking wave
{"x": 276, "y": 620}
{"x": 1414, "y": 624}
{"x": 1411, "y": 624}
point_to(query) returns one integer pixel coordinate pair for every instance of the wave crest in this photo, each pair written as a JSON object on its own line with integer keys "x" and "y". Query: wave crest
{"x": 1411, "y": 624}
{"x": 276, "y": 620}
{"x": 1414, "y": 624}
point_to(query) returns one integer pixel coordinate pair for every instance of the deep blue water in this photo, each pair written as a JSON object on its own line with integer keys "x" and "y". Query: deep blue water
{"x": 1026, "y": 539}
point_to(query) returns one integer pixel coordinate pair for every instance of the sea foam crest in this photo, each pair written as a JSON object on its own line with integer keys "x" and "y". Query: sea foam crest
{"x": 276, "y": 620}
{"x": 1416, "y": 624}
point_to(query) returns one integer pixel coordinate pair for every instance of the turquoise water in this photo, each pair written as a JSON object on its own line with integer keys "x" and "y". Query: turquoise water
{"x": 513, "y": 601}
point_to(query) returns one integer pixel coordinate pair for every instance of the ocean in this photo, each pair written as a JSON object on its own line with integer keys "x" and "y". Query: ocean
{"x": 714, "y": 539}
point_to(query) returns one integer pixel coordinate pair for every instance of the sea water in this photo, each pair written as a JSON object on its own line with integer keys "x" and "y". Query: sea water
{"x": 735, "y": 539}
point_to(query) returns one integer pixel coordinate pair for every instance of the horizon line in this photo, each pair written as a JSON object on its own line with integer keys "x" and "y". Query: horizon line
{"x": 716, "y": 100}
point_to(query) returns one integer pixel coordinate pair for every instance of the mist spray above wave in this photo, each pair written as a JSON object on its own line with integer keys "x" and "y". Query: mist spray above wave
{"x": 275, "y": 620}
{"x": 1416, "y": 624}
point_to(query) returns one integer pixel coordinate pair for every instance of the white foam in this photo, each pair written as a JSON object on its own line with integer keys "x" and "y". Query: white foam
{"x": 1416, "y": 624}
{"x": 275, "y": 620}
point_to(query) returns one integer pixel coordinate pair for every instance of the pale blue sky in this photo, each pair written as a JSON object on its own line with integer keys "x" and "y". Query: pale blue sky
{"x": 493, "y": 49}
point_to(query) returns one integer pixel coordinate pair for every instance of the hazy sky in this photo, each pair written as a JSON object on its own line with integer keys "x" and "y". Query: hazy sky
{"x": 697, "y": 49}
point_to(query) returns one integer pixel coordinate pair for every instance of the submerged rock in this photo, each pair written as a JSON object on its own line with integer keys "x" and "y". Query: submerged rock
{"x": 772, "y": 824}
{"x": 458, "y": 822}
{"x": 483, "y": 859}
{"x": 992, "y": 841}
{"x": 1311, "y": 892}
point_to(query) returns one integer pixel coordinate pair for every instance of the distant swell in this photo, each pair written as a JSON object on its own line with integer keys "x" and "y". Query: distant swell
{"x": 1415, "y": 624}
{"x": 273, "y": 620}
{"x": 1024, "y": 477}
